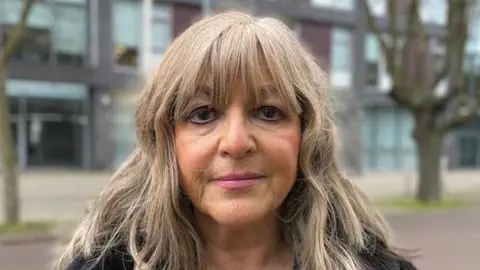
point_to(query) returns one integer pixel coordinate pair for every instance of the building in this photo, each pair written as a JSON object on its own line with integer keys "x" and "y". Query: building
{"x": 71, "y": 82}
{"x": 75, "y": 57}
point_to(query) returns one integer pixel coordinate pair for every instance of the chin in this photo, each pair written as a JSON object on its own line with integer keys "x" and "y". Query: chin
{"x": 238, "y": 212}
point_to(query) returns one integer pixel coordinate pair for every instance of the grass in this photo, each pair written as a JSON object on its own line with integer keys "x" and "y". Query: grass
{"x": 413, "y": 205}
{"x": 25, "y": 227}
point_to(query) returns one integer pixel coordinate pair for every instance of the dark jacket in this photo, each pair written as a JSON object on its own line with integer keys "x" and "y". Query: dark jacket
{"x": 120, "y": 260}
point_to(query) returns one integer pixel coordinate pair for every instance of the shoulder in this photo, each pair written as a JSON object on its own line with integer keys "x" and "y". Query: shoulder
{"x": 406, "y": 265}
{"x": 113, "y": 260}
{"x": 382, "y": 263}
{"x": 378, "y": 256}
{"x": 381, "y": 258}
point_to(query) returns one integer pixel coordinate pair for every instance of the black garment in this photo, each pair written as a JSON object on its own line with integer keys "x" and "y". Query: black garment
{"x": 120, "y": 260}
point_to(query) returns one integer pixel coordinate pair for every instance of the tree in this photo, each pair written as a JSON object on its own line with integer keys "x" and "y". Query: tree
{"x": 7, "y": 148}
{"x": 415, "y": 80}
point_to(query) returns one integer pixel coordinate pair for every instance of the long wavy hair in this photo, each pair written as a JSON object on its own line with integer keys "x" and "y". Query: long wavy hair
{"x": 326, "y": 220}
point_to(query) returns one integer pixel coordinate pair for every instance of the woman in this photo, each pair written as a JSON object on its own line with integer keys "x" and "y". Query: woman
{"x": 235, "y": 166}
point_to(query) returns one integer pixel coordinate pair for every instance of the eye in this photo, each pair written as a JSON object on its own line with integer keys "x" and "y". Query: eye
{"x": 202, "y": 115}
{"x": 269, "y": 113}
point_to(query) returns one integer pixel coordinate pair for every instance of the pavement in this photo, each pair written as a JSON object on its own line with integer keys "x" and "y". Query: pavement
{"x": 446, "y": 239}
{"x": 32, "y": 256}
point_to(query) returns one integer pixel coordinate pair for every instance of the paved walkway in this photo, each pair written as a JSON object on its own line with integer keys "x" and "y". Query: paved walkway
{"x": 34, "y": 256}
{"x": 447, "y": 240}
{"x": 62, "y": 195}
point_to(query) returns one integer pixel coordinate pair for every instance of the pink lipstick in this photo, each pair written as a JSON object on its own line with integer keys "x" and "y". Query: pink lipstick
{"x": 238, "y": 180}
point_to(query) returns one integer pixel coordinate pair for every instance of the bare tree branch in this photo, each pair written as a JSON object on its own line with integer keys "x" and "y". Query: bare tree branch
{"x": 441, "y": 103}
{"x": 371, "y": 20}
{"x": 389, "y": 51}
{"x": 394, "y": 33}
{"x": 411, "y": 31}
{"x": 457, "y": 35}
{"x": 414, "y": 58}
{"x": 15, "y": 34}
{"x": 460, "y": 119}
{"x": 440, "y": 76}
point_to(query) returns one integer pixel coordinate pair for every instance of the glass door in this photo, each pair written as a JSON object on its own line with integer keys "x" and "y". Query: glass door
{"x": 53, "y": 142}
{"x": 468, "y": 146}
{"x": 54, "y": 134}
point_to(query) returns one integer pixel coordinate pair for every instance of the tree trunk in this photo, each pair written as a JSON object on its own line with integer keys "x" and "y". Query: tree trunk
{"x": 429, "y": 147}
{"x": 8, "y": 157}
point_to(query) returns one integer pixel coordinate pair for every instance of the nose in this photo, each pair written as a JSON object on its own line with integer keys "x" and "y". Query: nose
{"x": 236, "y": 140}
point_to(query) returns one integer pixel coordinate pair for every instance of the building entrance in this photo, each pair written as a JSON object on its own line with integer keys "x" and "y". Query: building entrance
{"x": 51, "y": 131}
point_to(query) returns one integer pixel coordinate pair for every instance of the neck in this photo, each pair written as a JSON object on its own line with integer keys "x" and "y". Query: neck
{"x": 248, "y": 246}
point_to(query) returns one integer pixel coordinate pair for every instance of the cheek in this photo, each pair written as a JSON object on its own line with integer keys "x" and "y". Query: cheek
{"x": 193, "y": 154}
{"x": 283, "y": 150}
{"x": 291, "y": 149}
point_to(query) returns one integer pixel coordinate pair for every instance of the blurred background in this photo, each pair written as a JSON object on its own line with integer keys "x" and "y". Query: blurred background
{"x": 71, "y": 85}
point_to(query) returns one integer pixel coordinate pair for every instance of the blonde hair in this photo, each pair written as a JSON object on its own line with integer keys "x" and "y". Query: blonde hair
{"x": 328, "y": 222}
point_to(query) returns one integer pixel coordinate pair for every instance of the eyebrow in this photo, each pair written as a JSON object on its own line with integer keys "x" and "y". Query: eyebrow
{"x": 204, "y": 90}
{"x": 268, "y": 90}
{"x": 265, "y": 91}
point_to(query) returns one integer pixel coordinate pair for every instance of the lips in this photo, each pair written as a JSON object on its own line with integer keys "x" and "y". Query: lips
{"x": 238, "y": 180}
{"x": 239, "y": 176}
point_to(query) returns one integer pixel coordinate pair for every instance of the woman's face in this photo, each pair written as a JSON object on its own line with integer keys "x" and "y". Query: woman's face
{"x": 238, "y": 163}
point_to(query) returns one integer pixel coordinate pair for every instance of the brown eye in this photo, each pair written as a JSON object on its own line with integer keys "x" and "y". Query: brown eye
{"x": 202, "y": 115}
{"x": 269, "y": 113}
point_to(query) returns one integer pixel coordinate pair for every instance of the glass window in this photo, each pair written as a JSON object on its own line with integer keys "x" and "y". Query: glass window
{"x": 126, "y": 32}
{"x": 336, "y": 4}
{"x": 372, "y": 48}
{"x": 54, "y": 106}
{"x": 405, "y": 126}
{"x": 469, "y": 147}
{"x": 43, "y": 89}
{"x": 53, "y": 142}
{"x": 124, "y": 125}
{"x": 341, "y": 59}
{"x": 35, "y": 45}
{"x": 472, "y": 70}
{"x": 372, "y": 57}
{"x": 409, "y": 161}
{"x": 386, "y": 161}
{"x": 14, "y": 104}
{"x": 386, "y": 128}
{"x": 369, "y": 125}
{"x": 54, "y": 28}
{"x": 406, "y": 148}
{"x": 367, "y": 129}
{"x": 378, "y": 7}
{"x": 387, "y": 140}
{"x": 161, "y": 28}
{"x": 473, "y": 43}
{"x": 70, "y": 33}
{"x": 376, "y": 69}
{"x": 127, "y": 35}
{"x": 36, "y": 42}
{"x": 433, "y": 11}
{"x": 367, "y": 161}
